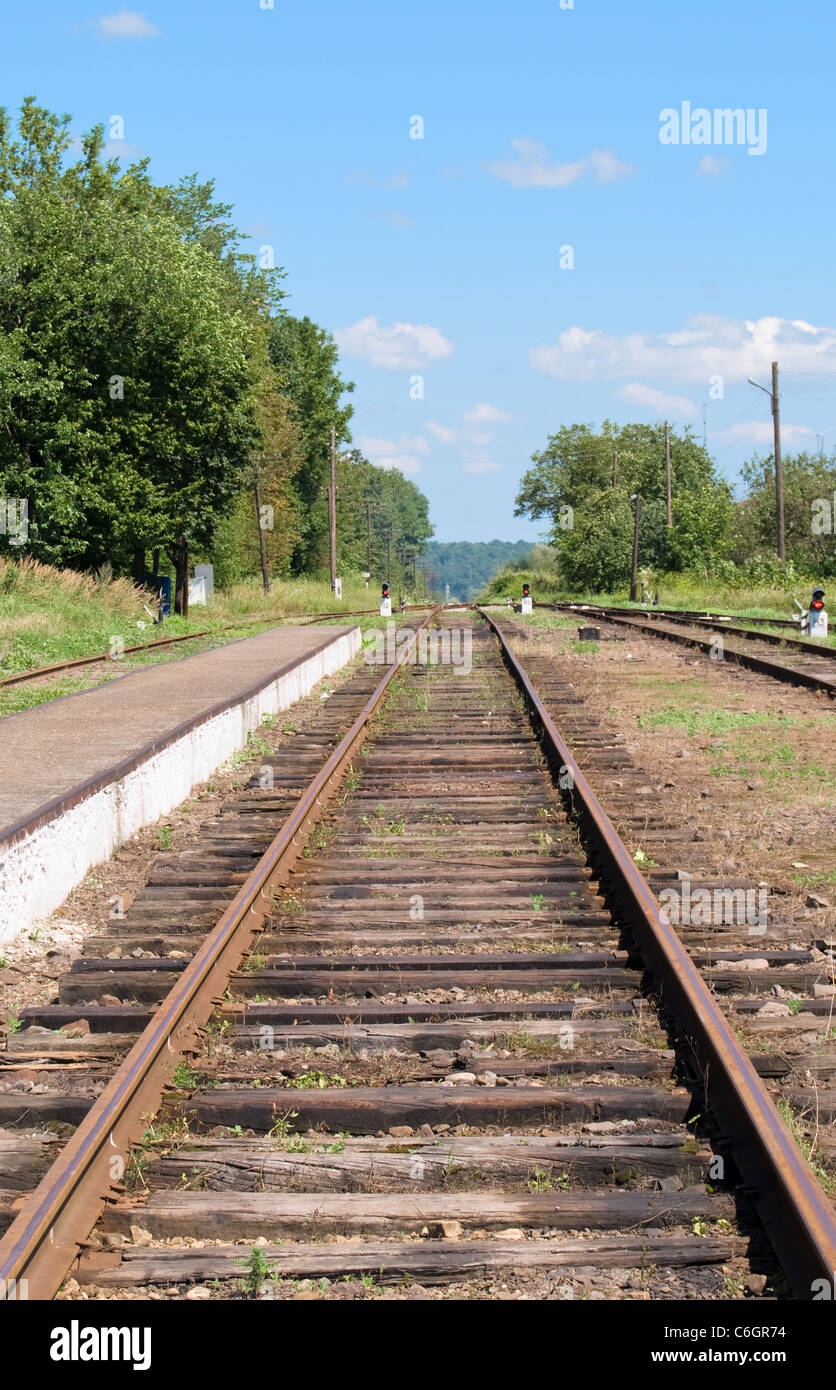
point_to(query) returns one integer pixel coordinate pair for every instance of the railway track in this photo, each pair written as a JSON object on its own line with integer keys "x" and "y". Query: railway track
{"x": 698, "y": 615}
{"x": 801, "y": 663}
{"x": 410, "y": 1012}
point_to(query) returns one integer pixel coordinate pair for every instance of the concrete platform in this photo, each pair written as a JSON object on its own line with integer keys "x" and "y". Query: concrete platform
{"x": 80, "y": 774}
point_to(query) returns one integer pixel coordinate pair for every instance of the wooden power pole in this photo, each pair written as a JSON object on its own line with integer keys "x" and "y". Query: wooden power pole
{"x": 779, "y": 467}
{"x": 634, "y": 571}
{"x": 668, "y": 473}
{"x": 265, "y": 573}
{"x": 615, "y": 468}
{"x": 332, "y": 508}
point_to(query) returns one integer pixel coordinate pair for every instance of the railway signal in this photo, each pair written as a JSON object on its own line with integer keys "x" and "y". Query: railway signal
{"x": 816, "y": 619}
{"x": 526, "y": 599}
{"x": 813, "y": 620}
{"x": 385, "y": 602}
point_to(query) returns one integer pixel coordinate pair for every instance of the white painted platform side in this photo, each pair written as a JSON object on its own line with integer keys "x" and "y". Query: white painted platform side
{"x": 39, "y": 870}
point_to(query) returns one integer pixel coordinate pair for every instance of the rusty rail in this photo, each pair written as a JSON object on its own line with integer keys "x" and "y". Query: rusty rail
{"x": 791, "y": 675}
{"x": 679, "y": 614}
{"x": 797, "y": 1215}
{"x": 718, "y": 624}
{"x": 42, "y": 1242}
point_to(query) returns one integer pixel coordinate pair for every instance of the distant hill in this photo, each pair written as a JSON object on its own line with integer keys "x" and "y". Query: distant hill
{"x": 468, "y": 565}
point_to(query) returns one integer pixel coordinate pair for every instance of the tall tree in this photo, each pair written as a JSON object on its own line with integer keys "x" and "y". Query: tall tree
{"x": 577, "y": 462}
{"x": 305, "y": 360}
{"x": 809, "y": 512}
{"x": 399, "y": 511}
{"x": 582, "y": 481}
{"x": 131, "y": 351}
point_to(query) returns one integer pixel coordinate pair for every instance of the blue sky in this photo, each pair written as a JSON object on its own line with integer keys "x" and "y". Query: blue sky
{"x": 441, "y": 257}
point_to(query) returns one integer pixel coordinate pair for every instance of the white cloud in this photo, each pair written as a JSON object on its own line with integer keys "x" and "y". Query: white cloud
{"x": 607, "y": 168}
{"x": 388, "y": 453}
{"x": 479, "y": 466}
{"x": 760, "y": 432}
{"x": 706, "y": 346}
{"x": 398, "y": 348}
{"x": 713, "y": 165}
{"x": 442, "y": 432}
{"x": 468, "y": 440}
{"x": 127, "y": 24}
{"x": 677, "y": 407}
{"x": 399, "y": 181}
{"x": 483, "y": 414}
{"x": 120, "y": 149}
{"x": 532, "y": 167}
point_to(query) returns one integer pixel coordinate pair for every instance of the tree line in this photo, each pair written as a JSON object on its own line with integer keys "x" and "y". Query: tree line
{"x": 150, "y": 374}
{"x": 468, "y": 565}
{"x": 584, "y": 483}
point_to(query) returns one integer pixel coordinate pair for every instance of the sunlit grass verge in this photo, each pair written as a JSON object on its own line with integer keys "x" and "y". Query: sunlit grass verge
{"x": 49, "y": 615}
{"x": 683, "y": 591}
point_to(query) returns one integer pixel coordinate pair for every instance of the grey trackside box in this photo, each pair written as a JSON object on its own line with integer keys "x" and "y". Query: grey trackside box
{"x": 206, "y": 572}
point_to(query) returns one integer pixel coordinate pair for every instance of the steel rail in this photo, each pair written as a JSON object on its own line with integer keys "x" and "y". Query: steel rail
{"x": 792, "y": 1205}
{"x": 718, "y": 624}
{"x": 775, "y": 639}
{"x": 789, "y": 674}
{"x": 683, "y": 613}
{"x": 44, "y": 1239}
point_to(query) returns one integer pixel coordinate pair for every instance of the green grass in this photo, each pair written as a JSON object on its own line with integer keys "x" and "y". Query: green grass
{"x": 815, "y": 880}
{"x": 48, "y": 616}
{"x": 766, "y": 754}
{"x": 708, "y": 721}
{"x": 688, "y": 591}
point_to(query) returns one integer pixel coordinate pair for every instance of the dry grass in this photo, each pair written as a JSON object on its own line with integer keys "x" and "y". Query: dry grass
{"x": 48, "y": 615}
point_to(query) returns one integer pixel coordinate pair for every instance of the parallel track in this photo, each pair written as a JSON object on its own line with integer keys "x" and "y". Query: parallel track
{"x": 803, "y": 663}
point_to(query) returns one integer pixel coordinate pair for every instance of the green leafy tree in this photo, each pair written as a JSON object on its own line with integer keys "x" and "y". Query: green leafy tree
{"x": 596, "y": 554}
{"x": 305, "y": 359}
{"x": 131, "y": 352}
{"x": 703, "y": 522}
{"x": 809, "y": 512}
{"x": 399, "y": 512}
{"x": 572, "y": 484}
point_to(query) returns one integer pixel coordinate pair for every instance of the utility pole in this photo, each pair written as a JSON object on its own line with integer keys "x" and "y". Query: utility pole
{"x": 615, "y": 468}
{"x": 634, "y": 573}
{"x": 265, "y": 573}
{"x": 369, "y": 537}
{"x": 779, "y": 468}
{"x": 668, "y": 472}
{"x": 388, "y": 558}
{"x": 332, "y": 508}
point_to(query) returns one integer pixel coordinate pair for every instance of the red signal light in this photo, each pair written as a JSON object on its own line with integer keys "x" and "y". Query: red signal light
{"x": 385, "y": 591}
{"x": 526, "y": 590}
